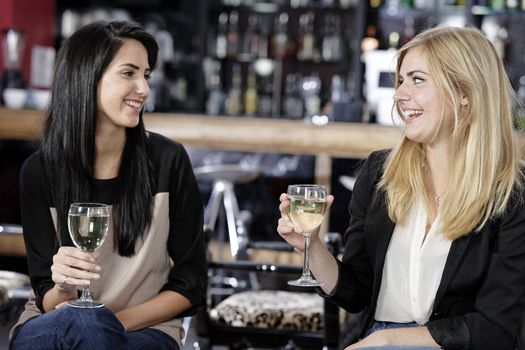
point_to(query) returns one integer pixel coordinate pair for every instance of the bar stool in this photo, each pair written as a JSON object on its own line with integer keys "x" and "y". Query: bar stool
{"x": 14, "y": 292}
{"x": 224, "y": 177}
{"x": 14, "y": 286}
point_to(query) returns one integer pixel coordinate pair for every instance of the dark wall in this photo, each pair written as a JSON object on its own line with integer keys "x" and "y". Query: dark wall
{"x": 12, "y": 156}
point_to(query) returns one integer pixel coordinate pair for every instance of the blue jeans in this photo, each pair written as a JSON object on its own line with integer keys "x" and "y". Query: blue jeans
{"x": 379, "y": 325}
{"x": 73, "y": 328}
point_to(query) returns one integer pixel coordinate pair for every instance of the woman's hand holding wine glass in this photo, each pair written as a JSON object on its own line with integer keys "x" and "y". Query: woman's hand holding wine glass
{"x": 288, "y": 231}
{"x": 302, "y": 211}
{"x": 75, "y": 268}
{"x": 88, "y": 224}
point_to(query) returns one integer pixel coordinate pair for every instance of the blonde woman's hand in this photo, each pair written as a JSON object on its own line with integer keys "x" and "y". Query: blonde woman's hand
{"x": 72, "y": 267}
{"x": 287, "y": 230}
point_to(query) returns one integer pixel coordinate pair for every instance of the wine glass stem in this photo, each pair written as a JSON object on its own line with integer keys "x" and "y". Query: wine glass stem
{"x": 86, "y": 294}
{"x": 306, "y": 269}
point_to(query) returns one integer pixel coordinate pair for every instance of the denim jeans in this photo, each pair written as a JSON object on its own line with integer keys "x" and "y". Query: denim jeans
{"x": 379, "y": 325}
{"x": 73, "y": 328}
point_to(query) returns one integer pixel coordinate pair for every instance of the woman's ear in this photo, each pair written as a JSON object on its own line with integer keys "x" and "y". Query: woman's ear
{"x": 464, "y": 100}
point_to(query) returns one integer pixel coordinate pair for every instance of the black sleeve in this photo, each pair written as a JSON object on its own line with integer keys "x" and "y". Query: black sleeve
{"x": 500, "y": 302}
{"x": 186, "y": 245}
{"x": 353, "y": 290}
{"x": 39, "y": 230}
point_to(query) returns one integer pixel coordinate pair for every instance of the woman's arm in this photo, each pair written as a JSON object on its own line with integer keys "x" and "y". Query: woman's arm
{"x": 160, "y": 308}
{"x": 186, "y": 244}
{"x": 40, "y": 235}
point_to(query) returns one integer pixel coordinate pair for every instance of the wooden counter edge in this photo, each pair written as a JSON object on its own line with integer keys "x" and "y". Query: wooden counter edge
{"x": 350, "y": 140}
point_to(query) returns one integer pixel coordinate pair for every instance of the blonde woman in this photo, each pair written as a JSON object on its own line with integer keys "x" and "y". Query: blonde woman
{"x": 435, "y": 250}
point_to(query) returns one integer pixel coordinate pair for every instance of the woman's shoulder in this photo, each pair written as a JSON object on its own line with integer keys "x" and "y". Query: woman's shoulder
{"x": 167, "y": 153}
{"x": 160, "y": 142}
{"x": 380, "y": 155}
{"x": 376, "y": 160}
{"x": 33, "y": 164}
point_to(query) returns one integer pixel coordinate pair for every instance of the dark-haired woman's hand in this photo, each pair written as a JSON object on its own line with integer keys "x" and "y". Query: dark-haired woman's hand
{"x": 72, "y": 267}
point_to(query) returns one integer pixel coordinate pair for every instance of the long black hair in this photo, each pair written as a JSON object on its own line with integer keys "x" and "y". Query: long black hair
{"x": 68, "y": 144}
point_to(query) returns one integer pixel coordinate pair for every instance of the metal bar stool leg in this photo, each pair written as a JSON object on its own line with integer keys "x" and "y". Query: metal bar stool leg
{"x": 232, "y": 212}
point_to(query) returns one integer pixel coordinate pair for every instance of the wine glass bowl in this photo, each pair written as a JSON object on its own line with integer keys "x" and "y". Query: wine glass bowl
{"x": 306, "y": 211}
{"x": 88, "y": 225}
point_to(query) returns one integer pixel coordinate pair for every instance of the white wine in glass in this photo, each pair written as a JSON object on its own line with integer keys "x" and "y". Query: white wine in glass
{"x": 307, "y": 209}
{"x": 88, "y": 225}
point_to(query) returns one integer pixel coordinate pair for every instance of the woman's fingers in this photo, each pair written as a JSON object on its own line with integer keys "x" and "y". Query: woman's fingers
{"x": 329, "y": 201}
{"x": 74, "y": 267}
{"x": 285, "y": 203}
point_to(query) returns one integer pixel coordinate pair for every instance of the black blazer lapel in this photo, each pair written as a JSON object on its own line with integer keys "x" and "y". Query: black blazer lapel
{"x": 382, "y": 228}
{"x": 455, "y": 255}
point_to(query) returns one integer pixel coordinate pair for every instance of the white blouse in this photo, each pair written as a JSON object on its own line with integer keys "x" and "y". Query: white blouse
{"x": 413, "y": 269}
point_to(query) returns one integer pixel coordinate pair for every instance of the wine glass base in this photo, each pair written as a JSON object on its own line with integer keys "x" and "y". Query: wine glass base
{"x": 305, "y": 282}
{"x": 85, "y": 304}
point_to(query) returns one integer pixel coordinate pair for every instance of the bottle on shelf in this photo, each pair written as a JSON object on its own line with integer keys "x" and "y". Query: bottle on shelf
{"x": 265, "y": 100}
{"x": 332, "y": 46}
{"x": 293, "y": 105}
{"x": 370, "y": 42}
{"x": 306, "y": 40}
{"x": 339, "y": 100}
{"x": 251, "y": 96}
{"x": 221, "y": 42}
{"x": 280, "y": 43}
{"x": 393, "y": 41}
{"x": 251, "y": 39}
{"x": 233, "y": 104}
{"x": 215, "y": 100}
{"x": 311, "y": 89}
{"x": 232, "y": 36}
{"x": 265, "y": 29}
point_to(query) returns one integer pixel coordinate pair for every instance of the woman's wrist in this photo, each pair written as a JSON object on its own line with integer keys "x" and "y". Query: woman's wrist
{"x": 66, "y": 289}
{"x": 316, "y": 242}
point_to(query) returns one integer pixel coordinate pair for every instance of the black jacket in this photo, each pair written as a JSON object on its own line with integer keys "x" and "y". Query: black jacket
{"x": 480, "y": 300}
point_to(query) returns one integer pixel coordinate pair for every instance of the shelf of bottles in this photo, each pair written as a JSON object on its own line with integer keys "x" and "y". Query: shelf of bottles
{"x": 503, "y": 22}
{"x": 176, "y": 83}
{"x": 281, "y": 59}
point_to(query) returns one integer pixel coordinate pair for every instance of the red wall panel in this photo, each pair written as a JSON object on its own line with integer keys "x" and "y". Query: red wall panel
{"x": 36, "y": 18}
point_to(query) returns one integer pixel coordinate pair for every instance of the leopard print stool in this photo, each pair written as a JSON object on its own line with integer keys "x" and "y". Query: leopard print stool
{"x": 271, "y": 309}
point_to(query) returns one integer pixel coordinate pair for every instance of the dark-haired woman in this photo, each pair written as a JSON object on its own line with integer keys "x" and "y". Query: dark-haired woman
{"x": 151, "y": 270}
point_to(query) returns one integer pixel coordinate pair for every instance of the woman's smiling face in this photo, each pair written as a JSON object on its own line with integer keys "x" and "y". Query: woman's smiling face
{"x": 427, "y": 114}
{"x": 123, "y": 87}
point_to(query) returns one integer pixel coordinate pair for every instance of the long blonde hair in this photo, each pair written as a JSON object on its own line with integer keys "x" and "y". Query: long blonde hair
{"x": 485, "y": 161}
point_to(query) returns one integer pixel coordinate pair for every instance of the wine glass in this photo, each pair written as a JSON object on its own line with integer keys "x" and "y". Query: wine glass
{"x": 88, "y": 224}
{"x": 307, "y": 209}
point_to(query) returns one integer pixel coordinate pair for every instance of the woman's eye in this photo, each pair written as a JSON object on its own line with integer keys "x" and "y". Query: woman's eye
{"x": 127, "y": 73}
{"x": 147, "y": 76}
{"x": 418, "y": 80}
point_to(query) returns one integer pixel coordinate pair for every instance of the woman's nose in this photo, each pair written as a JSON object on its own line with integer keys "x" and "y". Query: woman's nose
{"x": 400, "y": 94}
{"x": 143, "y": 87}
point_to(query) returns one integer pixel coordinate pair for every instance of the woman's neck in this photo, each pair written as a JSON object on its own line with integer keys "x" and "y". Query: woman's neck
{"x": 437, "y": 168}
{"x": 109, "y": 147}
